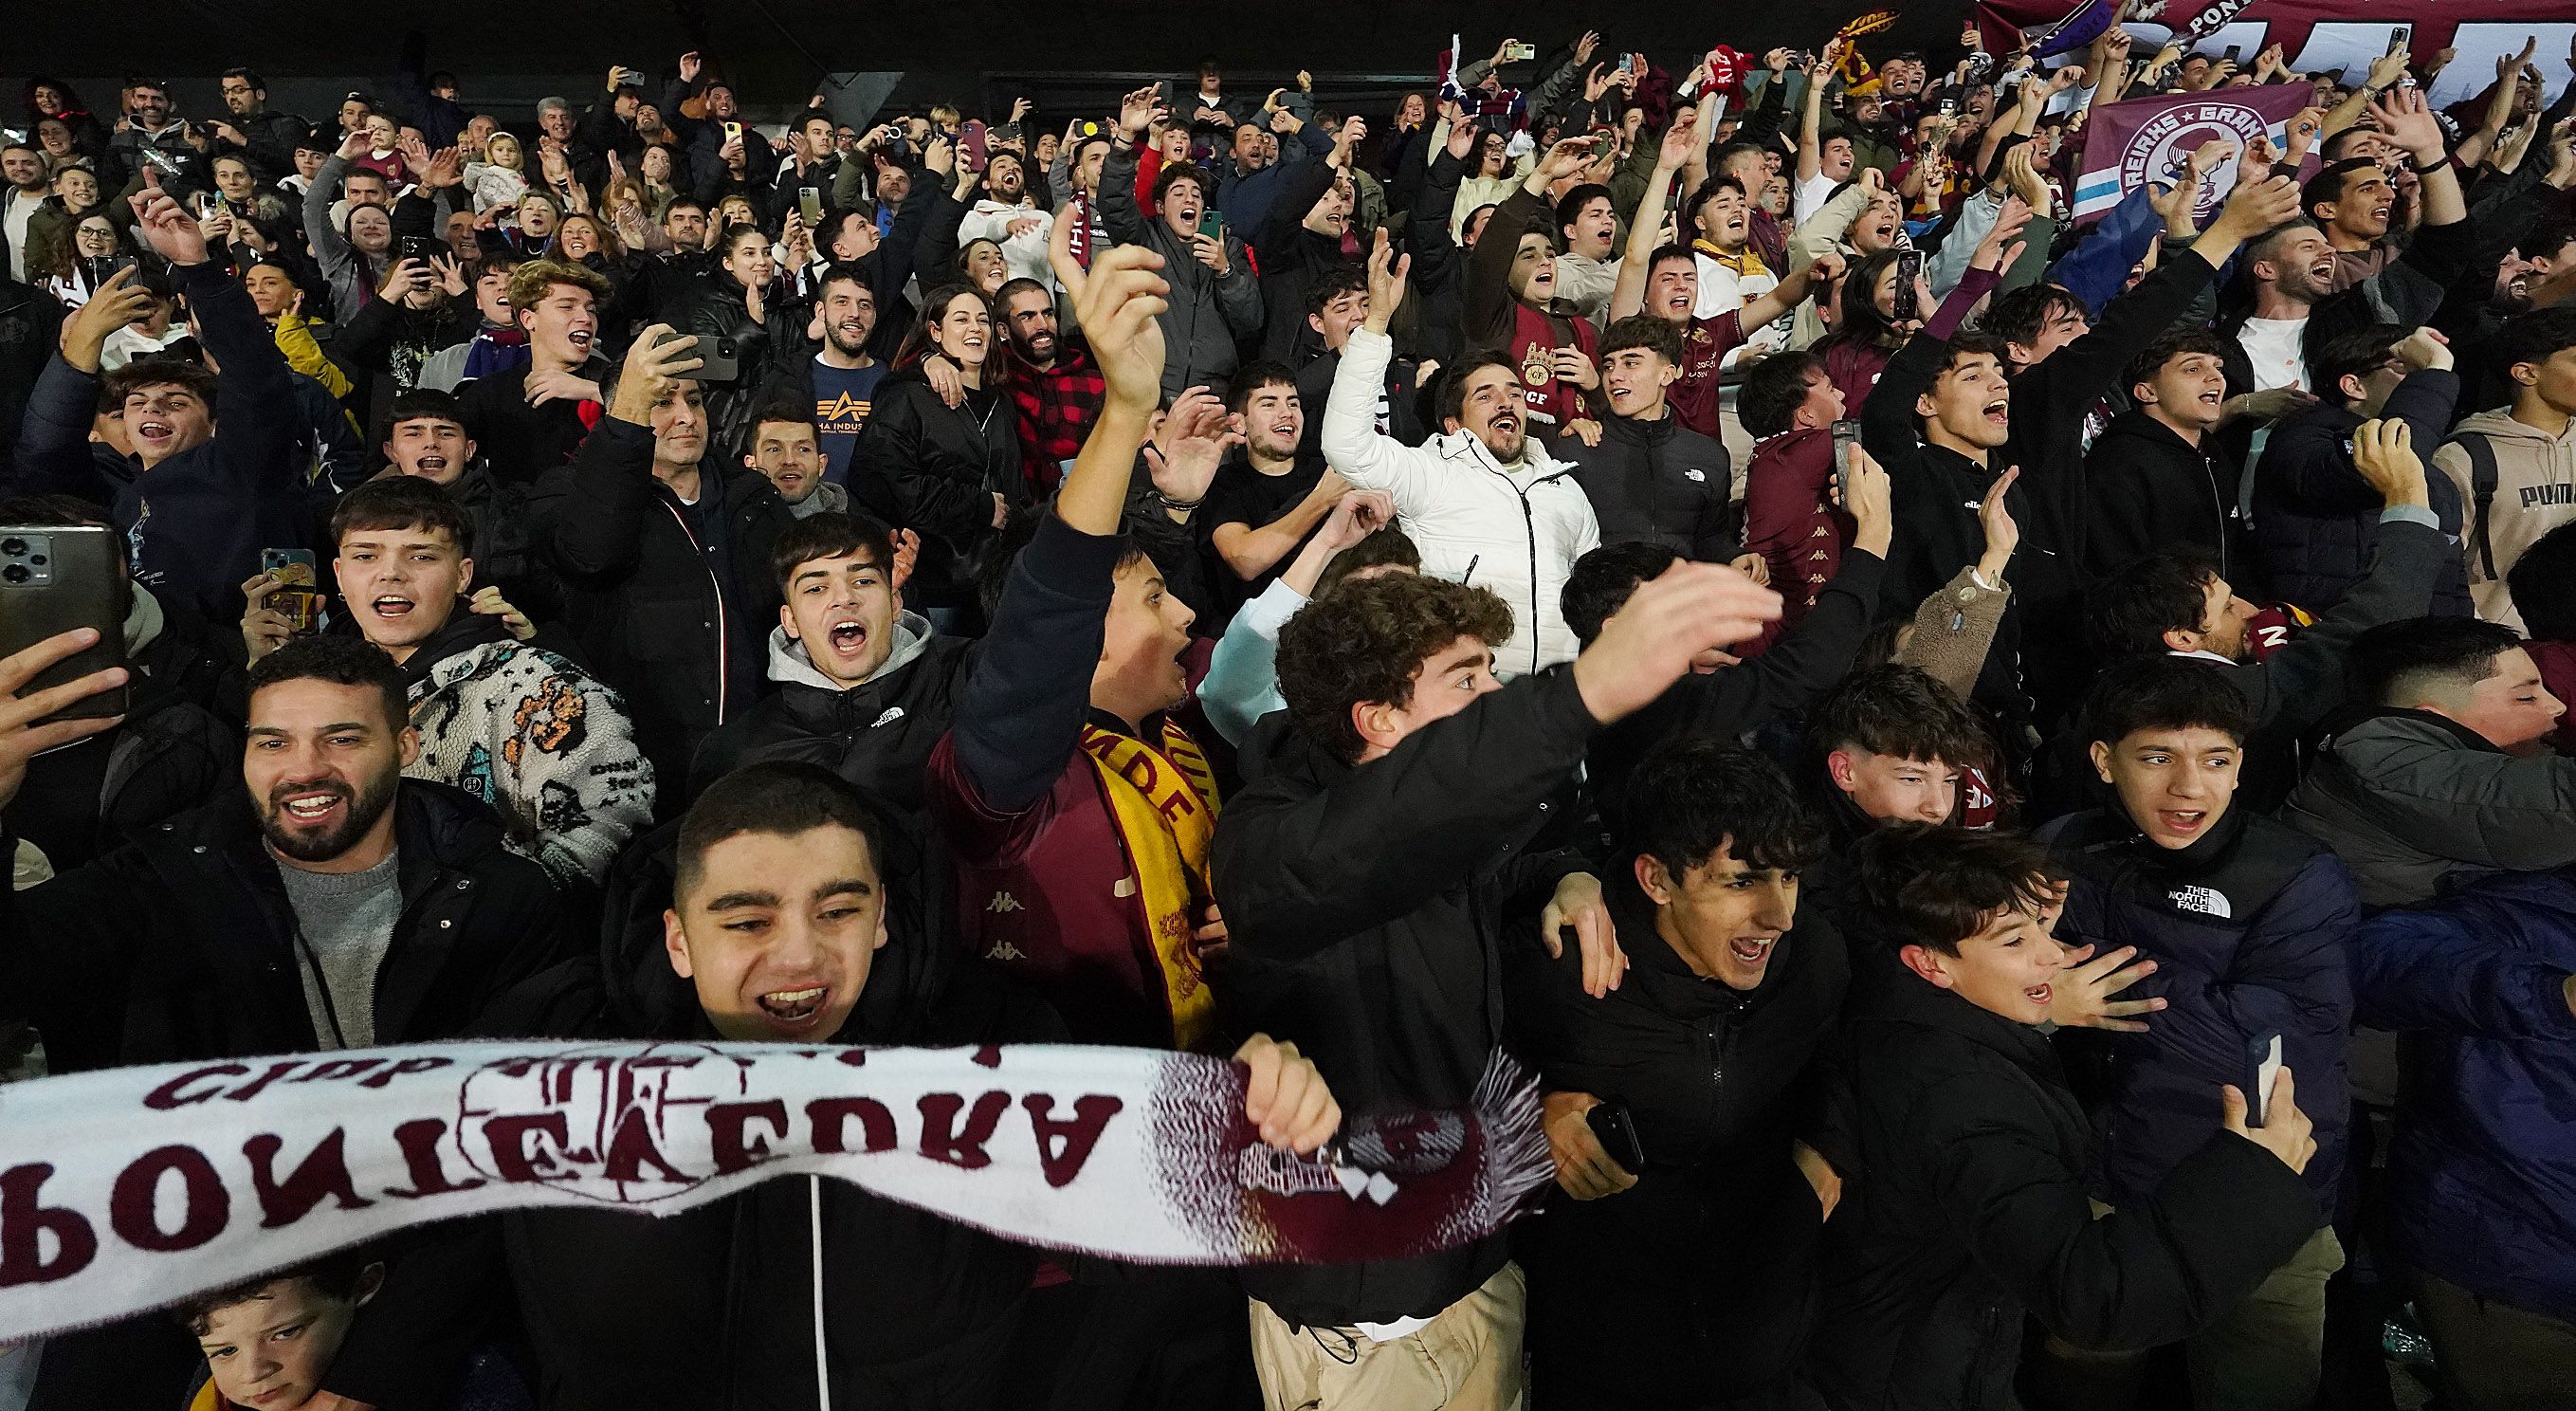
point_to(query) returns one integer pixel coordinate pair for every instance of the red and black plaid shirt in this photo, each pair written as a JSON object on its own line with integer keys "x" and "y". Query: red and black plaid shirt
{"x": 1057, "y": 407}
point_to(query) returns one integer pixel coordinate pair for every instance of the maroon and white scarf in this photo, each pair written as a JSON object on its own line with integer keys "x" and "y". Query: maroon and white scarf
{"x": 134, "y": 1188}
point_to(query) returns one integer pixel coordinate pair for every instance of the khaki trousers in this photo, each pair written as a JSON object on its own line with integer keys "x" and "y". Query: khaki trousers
{"x": 1467, "y": 1359}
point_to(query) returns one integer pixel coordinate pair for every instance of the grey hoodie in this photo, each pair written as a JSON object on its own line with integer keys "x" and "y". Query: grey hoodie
{"x": 790, "y": 663}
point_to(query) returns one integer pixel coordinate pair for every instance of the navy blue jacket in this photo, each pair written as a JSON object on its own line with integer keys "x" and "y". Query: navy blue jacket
{"x": 2316, "y": 520}
{"x": 194, "y": 523}
{"x": 2247, "y": 927}
{"x": 2482, "y": 1176}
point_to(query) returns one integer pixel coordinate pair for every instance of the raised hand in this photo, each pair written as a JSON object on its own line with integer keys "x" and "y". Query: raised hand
{"x": 661, "y": 358}
{"x": 1680, "y": 141}
{"x": 170, "y": 231}
{"x": 1386, "y": 272}
{"x": 1995, "y": 251}
{"x": 2383, "y": 451}
{"x": 21, "y": 738}
{"x": 1994, "y": 516}
{"x": 116, "y": 303}
{"x": 1119, "y": 309}
{"x": 1652, "y": 640}
{"x": 1136, "y": 111}
{"x": 2409, "y": 122}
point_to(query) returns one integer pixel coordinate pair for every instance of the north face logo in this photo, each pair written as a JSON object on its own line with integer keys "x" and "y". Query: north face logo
{"x": 2206, "y": 901}
{"x": 892, "y": 714}
{"x": 1695, "y": 475}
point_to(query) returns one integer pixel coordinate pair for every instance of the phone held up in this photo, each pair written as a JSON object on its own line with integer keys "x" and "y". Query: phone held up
{"x": 1846, "y": 439}
{"x": 2262, "y": 1065}
{"x": 1909, "y": 274}
{"x": 54, "y": 578}
{"x": 299, "y": 599}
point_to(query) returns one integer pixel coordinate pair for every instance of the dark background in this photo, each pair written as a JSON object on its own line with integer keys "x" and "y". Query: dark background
{"x": 1072, "y": 57}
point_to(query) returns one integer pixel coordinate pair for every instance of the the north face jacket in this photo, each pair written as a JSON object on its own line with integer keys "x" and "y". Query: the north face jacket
{"x": 2532, "y": 491}
{"x": 2247, "y": 927}
{"x": 537, "y": 738}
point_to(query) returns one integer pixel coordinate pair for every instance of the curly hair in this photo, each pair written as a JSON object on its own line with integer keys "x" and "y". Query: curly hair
{"x": 530, "y": 281}
{"x": 1367, "y": 640}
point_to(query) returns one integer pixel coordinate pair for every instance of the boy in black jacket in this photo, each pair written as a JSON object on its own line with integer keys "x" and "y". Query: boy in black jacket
{"x": 1689, "y": 1281}
{"x": 1963, "y": 1154}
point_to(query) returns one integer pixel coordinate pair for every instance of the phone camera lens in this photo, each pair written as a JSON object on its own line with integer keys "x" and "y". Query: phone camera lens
{"x": 15, "y": 573}
{"x": 13, "y": 546}
{"x": 37, "y": 559}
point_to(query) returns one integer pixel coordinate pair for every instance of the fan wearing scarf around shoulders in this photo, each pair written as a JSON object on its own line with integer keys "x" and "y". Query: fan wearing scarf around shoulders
{"x": 1079, "y": 813}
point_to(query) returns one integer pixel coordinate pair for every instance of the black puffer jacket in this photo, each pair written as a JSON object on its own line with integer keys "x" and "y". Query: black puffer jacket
{"x": 181, "y": 946}
{"x": 1365, "y": 906}
{"x": 2316, "y": 520}
{"x": 1964, "y": 1206}
{"x": 924, "y": 465}
{"x": 1657, "y": 481}
{"x": 670, "y": 622}
{"x": 1695, "y": 1286}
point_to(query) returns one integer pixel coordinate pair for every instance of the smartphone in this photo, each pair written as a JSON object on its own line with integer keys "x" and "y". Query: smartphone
{"x": 1517, "y": 52}
{"x": 53, "y": 578}
{"x": 809, "y": 205}
{"x": 101, "y": 268}
{"x": 733, "y": 132}
{"x": 1909, "y": 270}
{"x": 1212, "y": 224}
{"x": 720, "y": 360}
{"x": 1846, "y": 439}
{"x": 974, "y": 143}
{"x": 1617, "y": 1133}
{"x": 2396, "y": 40}
{"x": 2262, "y": 1065}
{"x": 301, "y": 599}
{"x": 1949, "y": 107}
{"x": 2236, "y": 54}
{"x": 421, "y": 248}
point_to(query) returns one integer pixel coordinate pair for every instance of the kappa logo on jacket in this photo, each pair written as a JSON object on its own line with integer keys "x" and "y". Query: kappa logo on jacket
{"x": 2205, "y": 900}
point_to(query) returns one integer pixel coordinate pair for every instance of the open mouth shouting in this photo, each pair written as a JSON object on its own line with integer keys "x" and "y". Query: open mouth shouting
{"x": 794, "y": 1012}
{"x": 2039, "y": 995}
{"x": 579, "y": 338}
{"x": 1999, "y": 411}
{"x": 392, "y": 609}
{"x": 1505, "y": 424}
{"x": 157, "y": 433}
{"x": 1751, "y": 950}
{"x": 846, "y": 637}
{"x": 2181, "y": 822}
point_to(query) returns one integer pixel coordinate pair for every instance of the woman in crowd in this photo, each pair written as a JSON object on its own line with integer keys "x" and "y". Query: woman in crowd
{"x": 83, "y": 262}
{"x": 951, "y": 473}
{"x": 753, "y": 298}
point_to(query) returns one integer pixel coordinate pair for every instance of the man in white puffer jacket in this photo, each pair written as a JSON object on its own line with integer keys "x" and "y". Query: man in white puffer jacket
{"x": 1485, "y": 504}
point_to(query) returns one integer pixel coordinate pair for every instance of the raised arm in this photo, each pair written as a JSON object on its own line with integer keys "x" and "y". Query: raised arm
{"x": 1628, "y": 295}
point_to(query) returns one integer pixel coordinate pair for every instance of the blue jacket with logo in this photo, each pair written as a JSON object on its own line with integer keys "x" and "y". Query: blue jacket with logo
{"x": 2247, "y": 927}
{"x": 2482, "y": 1176}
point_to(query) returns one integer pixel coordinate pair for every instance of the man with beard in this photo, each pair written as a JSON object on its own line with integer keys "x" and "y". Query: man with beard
{"x": 840, "y": 380}
{"x": 249, "y": 125}
{"x": 334, "y": 904}
{"x": 1009, "y": 217}
{"x": 1056, "y": 389}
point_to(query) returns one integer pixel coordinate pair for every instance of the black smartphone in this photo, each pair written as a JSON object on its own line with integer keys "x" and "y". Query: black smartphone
{"x": 719, "y": 360}
{"x": 2396, "y": 40}
{"x": 2236, "y": 54}
{"x": 1617, "y": 1132}
{"x": 1846, "y": 438}
{"x": 1909, "y": 272}
{"x": 2262, "y": 1065}
{"x": 53, "y": 578}
{"x": 421, "y": 248}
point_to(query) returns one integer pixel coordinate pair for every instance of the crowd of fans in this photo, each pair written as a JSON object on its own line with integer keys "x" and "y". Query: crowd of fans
{"x": 1904, "y": 709}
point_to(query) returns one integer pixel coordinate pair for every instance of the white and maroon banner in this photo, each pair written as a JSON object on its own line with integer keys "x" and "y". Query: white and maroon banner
{"x": 2129, "y": 144}
{"x": 133, "y": 1188}
{"x": 2321, "y": 36}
